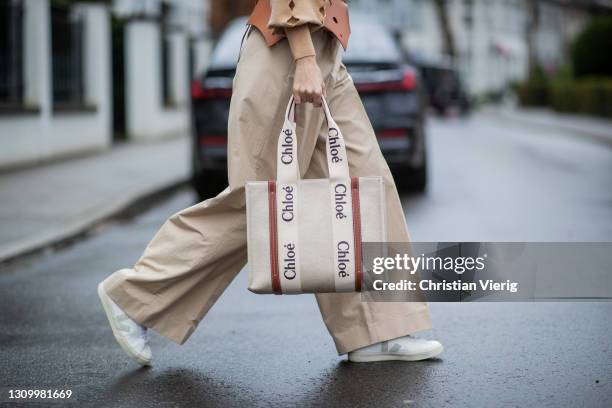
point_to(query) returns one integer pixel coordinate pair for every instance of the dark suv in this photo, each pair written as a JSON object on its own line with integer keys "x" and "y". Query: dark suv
{"x": 390, "y": 89}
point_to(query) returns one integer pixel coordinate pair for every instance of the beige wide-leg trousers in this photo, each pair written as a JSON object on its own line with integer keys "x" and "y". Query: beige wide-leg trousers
{"x": 199, "y": 250}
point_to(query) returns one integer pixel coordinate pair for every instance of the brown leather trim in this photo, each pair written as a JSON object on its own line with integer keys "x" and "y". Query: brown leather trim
{"x": 336, "y": 21}
{"x": 260, "y": 17}
{"x": 357, "y": 232}
{"x": 276, "y": 286}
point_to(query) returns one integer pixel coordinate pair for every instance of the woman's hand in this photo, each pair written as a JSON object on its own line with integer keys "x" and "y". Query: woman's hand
{"x": 308, "y": 85}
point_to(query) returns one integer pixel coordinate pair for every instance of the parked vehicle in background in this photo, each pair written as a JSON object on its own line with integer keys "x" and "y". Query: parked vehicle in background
{"x": 444, "y": 87}
{"x": 210, "y": 102}
{"x": 394, "y": 98}
{"x": 391, "y": 91}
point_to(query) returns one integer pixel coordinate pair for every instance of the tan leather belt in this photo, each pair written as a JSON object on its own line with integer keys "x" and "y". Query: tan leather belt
{"x": 336, "y": 21}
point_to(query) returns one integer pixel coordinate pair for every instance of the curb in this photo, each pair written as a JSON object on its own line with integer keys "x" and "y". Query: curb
{"x": 105, "y": 210}
{"x": 599, "y": 135}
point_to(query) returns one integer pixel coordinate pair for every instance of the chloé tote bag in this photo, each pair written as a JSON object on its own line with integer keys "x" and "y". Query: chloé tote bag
{"x": 305, "y": 235}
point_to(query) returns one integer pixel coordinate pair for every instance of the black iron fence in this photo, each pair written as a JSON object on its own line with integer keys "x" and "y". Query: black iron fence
{"x": 165, "y": 55}
{"x": 67, "y": 57}
{"x": 11, "y": 53}
{"x": 165, "y": 69}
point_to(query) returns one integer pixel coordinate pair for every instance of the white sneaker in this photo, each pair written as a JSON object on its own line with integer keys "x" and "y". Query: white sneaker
{"x": 405, "y": 348}
{"x": 132, "y": 337}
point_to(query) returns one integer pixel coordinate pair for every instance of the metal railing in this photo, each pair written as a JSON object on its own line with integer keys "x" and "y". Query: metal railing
{"x": 165, "y": 54}
{"x": 11, "y": 53}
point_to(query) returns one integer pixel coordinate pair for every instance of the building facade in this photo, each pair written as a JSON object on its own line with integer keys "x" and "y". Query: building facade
{"x": 490, "y": 36}
{"x": 78, "y": 76}
{"x": 176, "y": 33}
{"x": 54, "y": 90}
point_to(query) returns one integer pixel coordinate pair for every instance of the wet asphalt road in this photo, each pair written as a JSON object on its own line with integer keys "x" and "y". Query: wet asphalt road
{"x": 490, "y": 181}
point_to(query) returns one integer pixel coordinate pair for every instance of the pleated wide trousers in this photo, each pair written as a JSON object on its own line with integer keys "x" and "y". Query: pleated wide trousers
{"x": 199, "y": 250}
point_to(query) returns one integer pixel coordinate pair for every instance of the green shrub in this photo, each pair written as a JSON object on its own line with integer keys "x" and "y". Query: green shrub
{"x": 591, "y": 96}
{"x": 562, "y": 96}
{"x": 534, "y": 91}
{"x": 589, "y": 89}
{"x": 592, "y": 49}
{"x": 533, "y": 95}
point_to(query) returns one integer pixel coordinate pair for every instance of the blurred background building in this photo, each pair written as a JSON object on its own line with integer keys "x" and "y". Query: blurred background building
{"x": 489, "y": 41}
{"x": 77, "y": 76}
{"x": 55, "y": 90}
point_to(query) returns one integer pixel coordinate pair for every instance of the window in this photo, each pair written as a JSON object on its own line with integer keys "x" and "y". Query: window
{"x": 67, "y": 58}
{"x": 11, "y": 53}
{"x": 166, "y": 57}
{"x": 371, "y": 43}
{"x": 468, "y": 13}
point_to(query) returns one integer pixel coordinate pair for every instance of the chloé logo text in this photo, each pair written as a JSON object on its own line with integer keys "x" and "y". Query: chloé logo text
{"x": 287, "y": 147}
{"x": 287, "y": 206}
{"x": 289, "y": 261}
{"x": 334, "y": 145}
{"x": 340, "y": 200}
{"x": 343, "y": 248}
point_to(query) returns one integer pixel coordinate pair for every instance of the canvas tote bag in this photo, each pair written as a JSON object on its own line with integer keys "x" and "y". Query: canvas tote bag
{"x": 305, "y": 235}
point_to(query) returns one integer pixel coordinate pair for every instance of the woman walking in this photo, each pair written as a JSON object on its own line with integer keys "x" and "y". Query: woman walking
{"x": 199, "y": 250}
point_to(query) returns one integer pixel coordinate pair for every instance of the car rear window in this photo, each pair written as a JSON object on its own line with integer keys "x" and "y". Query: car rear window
{"x": 370, "y": 42}
{"x": 225, "y": 53}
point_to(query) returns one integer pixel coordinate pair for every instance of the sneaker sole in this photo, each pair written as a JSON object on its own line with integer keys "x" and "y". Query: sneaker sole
{"x": 371, "y": 357}
{"x": 113, "y": 324}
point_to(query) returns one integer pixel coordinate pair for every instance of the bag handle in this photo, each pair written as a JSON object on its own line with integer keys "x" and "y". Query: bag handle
{"x": 287, "y": 166}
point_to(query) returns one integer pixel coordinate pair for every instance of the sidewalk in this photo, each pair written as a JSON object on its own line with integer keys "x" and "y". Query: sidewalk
{"x": 595, "y": 128}
{"x": 44, "y": 205}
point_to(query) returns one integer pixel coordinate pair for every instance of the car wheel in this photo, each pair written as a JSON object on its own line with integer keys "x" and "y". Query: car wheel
{"x": 418, "y": 179}
{"x": 208, "y": 184}
{"x": 410, "y": 179}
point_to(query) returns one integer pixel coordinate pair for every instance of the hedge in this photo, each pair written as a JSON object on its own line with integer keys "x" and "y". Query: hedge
{"x": 592, "y": 49}
{"x": 587, "y": 86}
{"x": 591, "y": 96}
{"x": 535, "y": 91}
{"x": 533, "y": 94}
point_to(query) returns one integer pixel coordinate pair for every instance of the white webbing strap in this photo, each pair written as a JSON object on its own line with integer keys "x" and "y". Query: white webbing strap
{"x": 288, "y": 173}
{"x": 337, "y": 162}
{"x": 341, "y": 204}
{"x": 288, "y": 243}
{"x": 342, "y": 234}
{"x": 287, "y": 167}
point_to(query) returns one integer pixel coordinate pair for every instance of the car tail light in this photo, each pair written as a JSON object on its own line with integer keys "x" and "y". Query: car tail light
{"x": 409, "y": 80}
{"x": 407, "y": 83}
{"x": 213, "y": 140}
{"x": 200, "y": 92}
{"x": 197, "y": 92}
{"x": 390, "y": 133}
